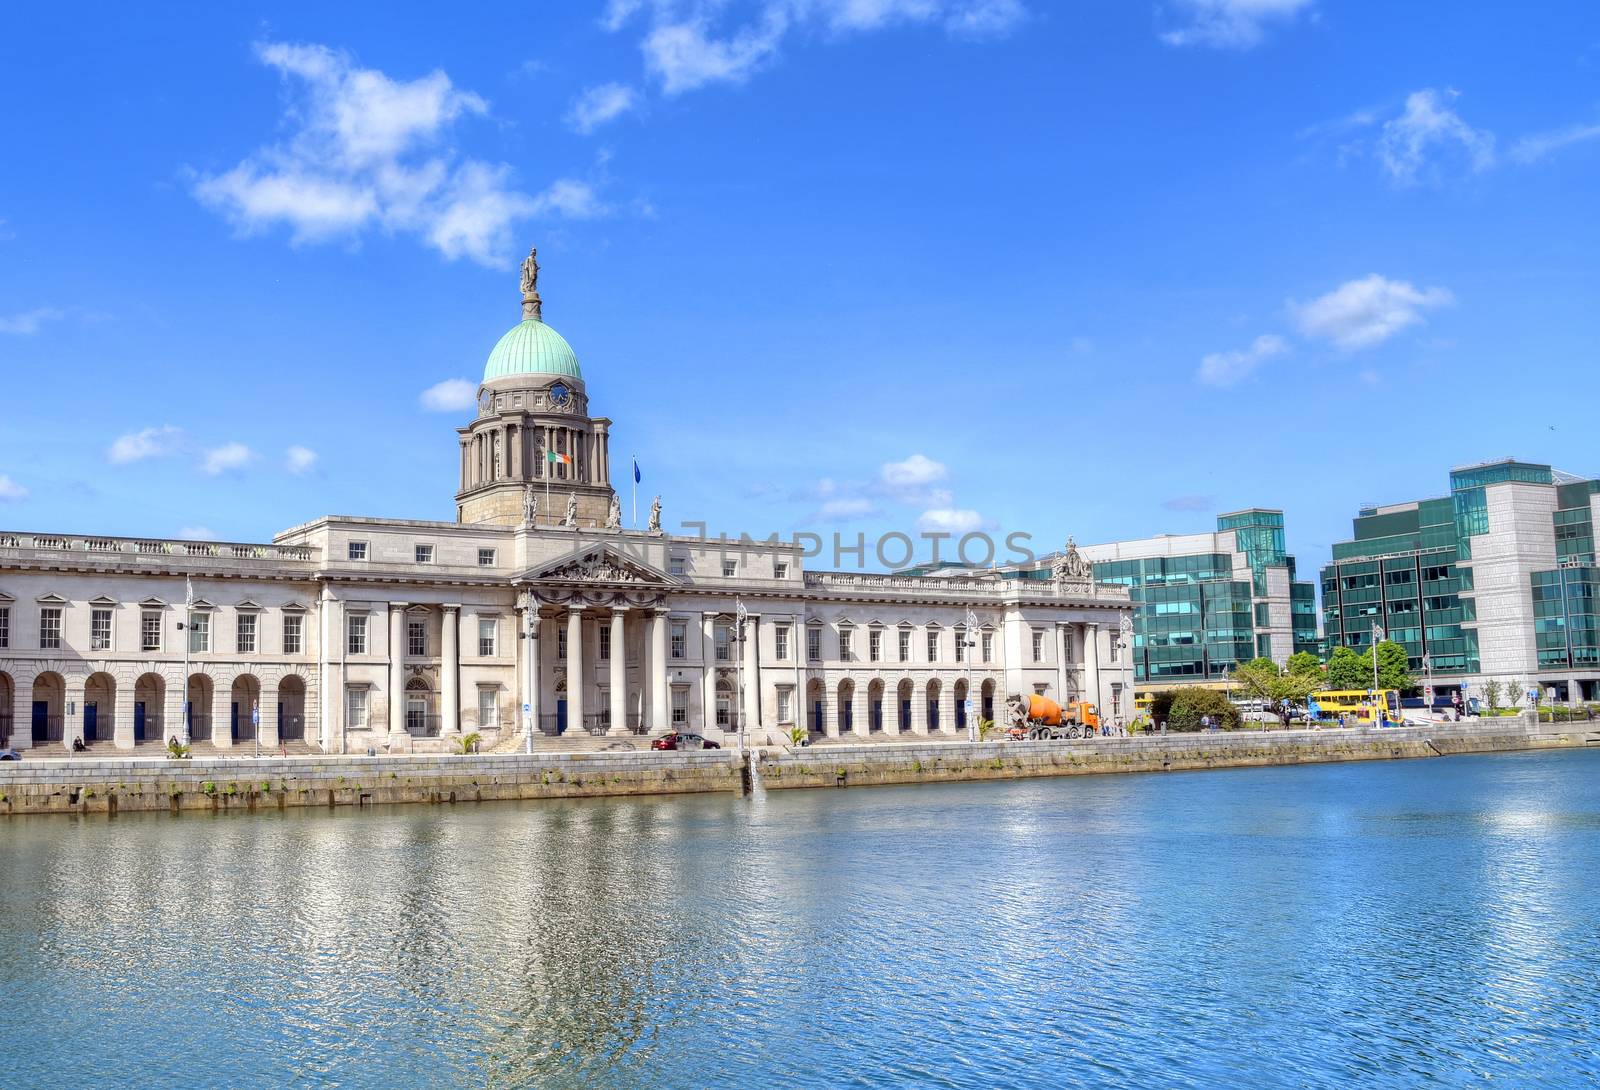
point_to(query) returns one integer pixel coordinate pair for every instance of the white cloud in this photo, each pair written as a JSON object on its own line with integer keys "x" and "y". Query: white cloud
{"x": 299, "y": 460}
{"x": 847, "y": 507}
{"x": 600, "y": 104}
{"x": 1531, "y": 149}
{"x": 28, "y": 322}
{"x": 1365, "y": 312}
{"x": 367, "y": 151}
{"x": 953, "y": 520}
{"x": 1228, "y": 368}
{"x": 684, "y": 48}
{"x": 197, "y": 533}
{"x": 683, "y": 56}
{"x": 1429, "y": 124}
{"x": 136, "y": 446}
{"x": 571, "y": 198}
{"x": 917, "y": 471}
{"x": 451, "y": 395}
{"x": 226, "y": 457}
{"x": 11, "y": 491}
{"x": 1230, "y": 24}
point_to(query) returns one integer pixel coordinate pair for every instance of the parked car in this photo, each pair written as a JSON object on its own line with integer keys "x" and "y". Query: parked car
{"x": 682, "y": 740}
{"x": 10, "y": 755}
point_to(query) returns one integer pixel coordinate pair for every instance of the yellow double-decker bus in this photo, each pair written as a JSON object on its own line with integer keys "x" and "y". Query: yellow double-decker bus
{"x": 1361, "y": 705}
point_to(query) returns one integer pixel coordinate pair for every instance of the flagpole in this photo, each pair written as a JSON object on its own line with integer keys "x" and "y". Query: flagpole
{"x": 635, "y": 491}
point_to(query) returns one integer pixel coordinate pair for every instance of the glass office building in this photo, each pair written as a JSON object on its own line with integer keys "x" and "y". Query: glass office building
{"x": 1497, "y": 580}
{"x": 1207, "y": 602}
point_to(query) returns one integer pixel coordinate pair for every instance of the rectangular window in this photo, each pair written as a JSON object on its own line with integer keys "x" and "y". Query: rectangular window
{"x": 604, "y": 653}
{"x": 961, "y": 645}
{"x": 293, "y": 634}
{"x": 485, "y": 558}
{"x": 149, "y": 630}
{"x": 719, "y": 637}
{"x": 780, "y": 569}
{"x": 846, "y": 640}
{"x": 356, "y": 627}
{"x": 680, "y": 707}
{"x": 355, "y": 707}
{"x": 100, "y": 630}
{"x": 677, "y": 565}
{"x": 486, "y": 637}
{"x": 1066, "y": 642}
{"x": 1116, "y": 644}
{"x": 813, "y": 645}
{"x": 246, "y": 642}
{"x": 730, "y": 568}
{"x": 1038, "y": 646}
{"x": 988, "y": 647}
{"x": 904, "y": 645}
{"x": 780, "y": 638}
{"x": 424, "y": 554}
{"x": 933, "y": 645}
{"x": 875, "y": 645}
{"x": 199, "y": 633}
{"x": 416, "y": 638}
{"x": 357, "y": 550}
{"x": 5, "y": 626}
{"x": 678, "y": 637}
{"x": 561, "y": 643}
{"x": 785, "y": 699}
{"x": 50, "y": 628}
{"x": 488, "y": 706}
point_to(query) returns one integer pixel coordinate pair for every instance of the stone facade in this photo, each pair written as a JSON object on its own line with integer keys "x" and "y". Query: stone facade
{"x": 353, "y": 634}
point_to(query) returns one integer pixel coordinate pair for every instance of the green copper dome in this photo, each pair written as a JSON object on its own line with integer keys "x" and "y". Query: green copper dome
{"x": 532, "y": 348}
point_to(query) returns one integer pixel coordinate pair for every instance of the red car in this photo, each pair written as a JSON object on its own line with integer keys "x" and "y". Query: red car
{"x": 679, "y": 740}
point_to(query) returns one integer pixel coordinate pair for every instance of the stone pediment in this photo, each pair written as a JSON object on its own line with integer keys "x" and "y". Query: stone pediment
{"x": 600, "y": 563}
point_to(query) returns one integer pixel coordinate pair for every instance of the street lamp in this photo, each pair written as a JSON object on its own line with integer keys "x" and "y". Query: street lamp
{"x": 969, "y": 641}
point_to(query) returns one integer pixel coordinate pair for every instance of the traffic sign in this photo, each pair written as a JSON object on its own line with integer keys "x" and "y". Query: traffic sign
{"x": 255, "y": 714}
{"x": 526, "y": 708}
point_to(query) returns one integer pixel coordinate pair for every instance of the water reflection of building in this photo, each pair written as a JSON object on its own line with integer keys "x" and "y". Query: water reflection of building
{"x": 346, "y": 633}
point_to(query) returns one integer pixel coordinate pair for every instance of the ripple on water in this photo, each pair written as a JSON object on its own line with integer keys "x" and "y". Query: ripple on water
{"x": 1388, "y": 924}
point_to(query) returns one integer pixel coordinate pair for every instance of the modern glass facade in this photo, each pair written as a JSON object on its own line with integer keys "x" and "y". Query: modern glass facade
{"x": 1409, "y": 569}
{"x": 1199, "y": 614}
{"x": 1402, "y": 573}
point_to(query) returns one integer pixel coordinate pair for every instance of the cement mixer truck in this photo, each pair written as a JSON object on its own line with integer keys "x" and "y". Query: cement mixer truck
{"x": 1038, "y": 718}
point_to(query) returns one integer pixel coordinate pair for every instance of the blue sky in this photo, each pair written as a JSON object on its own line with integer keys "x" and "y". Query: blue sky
{"x": 1102, "y": 268}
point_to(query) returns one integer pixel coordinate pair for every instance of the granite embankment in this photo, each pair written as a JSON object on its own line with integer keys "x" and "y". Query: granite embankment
{"x": 112, "y": 786}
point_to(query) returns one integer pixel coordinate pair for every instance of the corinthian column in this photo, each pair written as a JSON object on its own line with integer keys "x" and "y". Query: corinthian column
{"x": 660, "y": 713}
{"x": 575, "y": 685}
{"x": 397, "y": 673}
{"x": 619, "y": 674}
{"x": 450, "y": 671}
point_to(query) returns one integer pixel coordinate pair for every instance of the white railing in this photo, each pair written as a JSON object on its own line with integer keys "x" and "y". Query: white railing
{"x": 98, "y": 547}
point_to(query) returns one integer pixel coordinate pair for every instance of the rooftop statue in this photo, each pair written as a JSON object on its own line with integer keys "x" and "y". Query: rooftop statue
{"x": 530, "y": 272}
{"x": 1071, "y": 567}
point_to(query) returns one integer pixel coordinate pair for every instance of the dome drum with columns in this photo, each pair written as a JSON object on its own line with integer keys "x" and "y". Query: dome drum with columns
{"x": 532, "y": 404}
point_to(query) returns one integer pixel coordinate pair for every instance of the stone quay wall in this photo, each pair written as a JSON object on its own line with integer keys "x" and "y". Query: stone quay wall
{"x": 112, "y": 786}
{"x": 842, "y": 766}
{"x": 244, "y": 784}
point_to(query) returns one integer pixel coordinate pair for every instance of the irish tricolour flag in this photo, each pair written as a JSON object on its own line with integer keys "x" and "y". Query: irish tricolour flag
{"x": 555, "y": 457}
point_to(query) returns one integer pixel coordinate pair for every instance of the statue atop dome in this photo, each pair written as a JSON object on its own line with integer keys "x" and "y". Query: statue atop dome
{"x": 531, "y": 304}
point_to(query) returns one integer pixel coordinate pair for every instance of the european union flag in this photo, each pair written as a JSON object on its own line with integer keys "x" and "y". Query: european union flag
{"x": 636, "y": 477}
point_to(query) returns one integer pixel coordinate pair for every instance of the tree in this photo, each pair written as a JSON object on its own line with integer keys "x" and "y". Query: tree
{"x": 1491, "y": 693}
{"x": 1181, "y": 709}
{"x": 1394, "y": 666}
{"x": 1304, "y": 664}
{"x": 1297, "y": 688}
{"x": 1514, "y": 693}
{"x": 1348, "y": 670}
{"x": 1257, "y": 677}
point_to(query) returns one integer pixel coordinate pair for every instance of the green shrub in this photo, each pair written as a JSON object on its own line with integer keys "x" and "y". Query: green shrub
{"x": 209, "y": 787}
{"x": 468, "y": 743}
{"x": 1181, "y": 709}
{"x": 176, "y": 750}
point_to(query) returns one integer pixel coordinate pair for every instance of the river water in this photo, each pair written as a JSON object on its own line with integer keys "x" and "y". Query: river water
{"x": 1402, "y": 923}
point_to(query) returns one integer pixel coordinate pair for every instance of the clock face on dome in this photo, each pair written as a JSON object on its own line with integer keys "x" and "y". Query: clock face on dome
{"x": 559, "y": 394}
